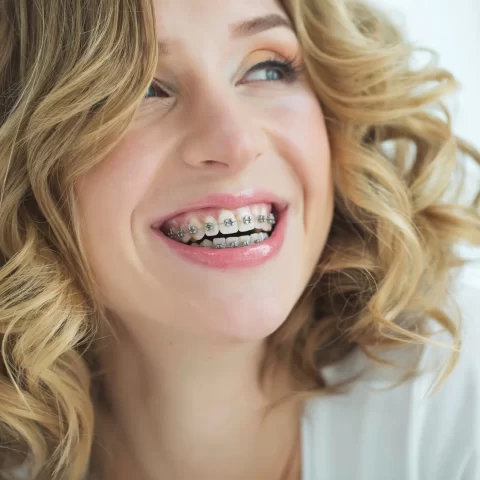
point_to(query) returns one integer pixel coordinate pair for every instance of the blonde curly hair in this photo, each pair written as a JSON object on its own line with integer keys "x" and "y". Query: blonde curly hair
{"x": 72, "y": 75}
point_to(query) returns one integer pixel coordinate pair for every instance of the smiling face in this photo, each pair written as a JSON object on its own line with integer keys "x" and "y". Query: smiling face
{"x": 228, "y": 149}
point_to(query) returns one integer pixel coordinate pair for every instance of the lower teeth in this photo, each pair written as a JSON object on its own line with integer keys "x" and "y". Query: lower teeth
{"x": 232, "y": 242}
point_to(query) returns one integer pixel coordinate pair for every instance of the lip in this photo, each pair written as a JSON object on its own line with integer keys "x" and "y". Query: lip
{"x": 228, "y": 202}
{"x": 231, "y": 258}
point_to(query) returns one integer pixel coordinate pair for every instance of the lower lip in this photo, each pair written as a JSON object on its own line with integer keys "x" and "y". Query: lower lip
{"x": 228, "y": 258}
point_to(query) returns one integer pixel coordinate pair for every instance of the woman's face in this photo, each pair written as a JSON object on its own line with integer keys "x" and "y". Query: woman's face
{"x": 212, "y": 212}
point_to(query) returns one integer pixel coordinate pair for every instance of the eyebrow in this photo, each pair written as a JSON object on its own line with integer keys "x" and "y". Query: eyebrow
{"x": 259, "y": 24}
{"x": 245, "y": 28}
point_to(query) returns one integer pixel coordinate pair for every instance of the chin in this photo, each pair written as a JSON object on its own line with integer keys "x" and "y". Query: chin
{"x": 250, "y": 320}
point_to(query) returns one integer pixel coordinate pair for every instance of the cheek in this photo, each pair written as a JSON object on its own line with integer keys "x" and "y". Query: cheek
{"x": 301, "y": 135}
{"x": 110, "y": 191}
{"x": 107, "y": 197}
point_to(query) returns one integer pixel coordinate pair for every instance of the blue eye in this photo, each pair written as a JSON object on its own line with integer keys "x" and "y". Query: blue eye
{"x": 273, "y": 71}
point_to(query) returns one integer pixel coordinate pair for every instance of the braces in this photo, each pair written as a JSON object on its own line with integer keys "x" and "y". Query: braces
{"x": 235, "y": 244}
{"x": 232, "y": 245}
{"x": 228, "y": 222}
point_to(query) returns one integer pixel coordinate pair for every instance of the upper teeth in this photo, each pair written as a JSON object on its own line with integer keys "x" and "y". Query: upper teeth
{"x": 194, "y": 227}
{"x": 227, "y": 227}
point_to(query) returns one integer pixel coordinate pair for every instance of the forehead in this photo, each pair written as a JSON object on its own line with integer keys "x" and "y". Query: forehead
{"x": 207, "y": 18}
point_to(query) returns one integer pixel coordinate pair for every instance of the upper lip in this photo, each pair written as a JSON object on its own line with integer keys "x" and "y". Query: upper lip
{"x": 227, "y": 201}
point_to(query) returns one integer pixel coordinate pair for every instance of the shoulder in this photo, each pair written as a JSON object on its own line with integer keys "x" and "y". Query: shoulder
{"x": 408, "y": 431}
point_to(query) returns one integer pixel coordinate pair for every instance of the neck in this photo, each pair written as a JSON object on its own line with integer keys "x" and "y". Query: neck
{"x": 188, "y": 408}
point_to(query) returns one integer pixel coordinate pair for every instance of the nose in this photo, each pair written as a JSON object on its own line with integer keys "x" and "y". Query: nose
{"x": 220, "y": 138}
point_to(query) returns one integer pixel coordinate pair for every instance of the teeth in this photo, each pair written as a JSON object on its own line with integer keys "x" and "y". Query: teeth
{"x": 232, "y": 242}
{"x": 264, "y": 222}
{"x": 193, "y": 229}
{"x": 195, "y": 233}
{"x": 183, "y": 235}
{"x": 211, "y": 227}
{"x": 196, "y": 229}
{"x": 227, "y": 222}
{"x": 244, "y": 241}
{"x": 219, "y": 243}
{"x": 255, "y": 238}
{"x": 207, "y": 244}
{"x": 260, "y": 214}
{"x": 245, "y": 221}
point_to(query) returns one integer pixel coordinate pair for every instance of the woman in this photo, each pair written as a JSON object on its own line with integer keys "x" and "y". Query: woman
{"x": 220, "y": 223}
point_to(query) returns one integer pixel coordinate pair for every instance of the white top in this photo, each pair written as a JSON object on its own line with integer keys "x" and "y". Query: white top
{"x": 401, "y": 434}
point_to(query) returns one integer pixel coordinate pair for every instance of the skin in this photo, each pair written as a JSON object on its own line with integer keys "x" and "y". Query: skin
{"x": 182, "y": 376}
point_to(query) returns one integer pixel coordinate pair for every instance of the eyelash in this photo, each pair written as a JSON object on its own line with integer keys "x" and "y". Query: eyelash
{"x": 291, "y": 68}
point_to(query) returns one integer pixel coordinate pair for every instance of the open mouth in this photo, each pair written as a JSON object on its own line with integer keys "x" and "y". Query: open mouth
{"x": 221, "y": 228}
